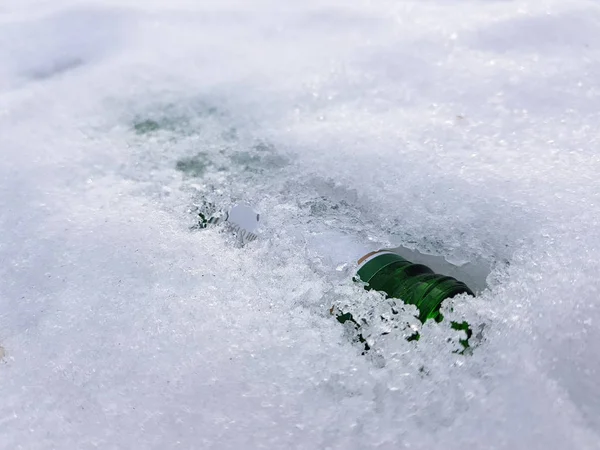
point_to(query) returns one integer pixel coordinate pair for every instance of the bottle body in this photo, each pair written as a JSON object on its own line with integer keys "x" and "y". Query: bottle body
{"x": 415, "y": 284}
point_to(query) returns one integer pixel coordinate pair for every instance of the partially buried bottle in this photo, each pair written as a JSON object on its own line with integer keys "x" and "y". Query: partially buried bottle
{"x": 382, "y": 270}
{"x": 415, "y": 284}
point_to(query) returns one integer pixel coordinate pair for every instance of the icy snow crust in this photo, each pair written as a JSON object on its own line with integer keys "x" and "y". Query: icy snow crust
{"x": 466, "y": 130}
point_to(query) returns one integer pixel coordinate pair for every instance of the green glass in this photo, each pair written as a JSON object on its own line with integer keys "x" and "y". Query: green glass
{"x": 414, "y": 284}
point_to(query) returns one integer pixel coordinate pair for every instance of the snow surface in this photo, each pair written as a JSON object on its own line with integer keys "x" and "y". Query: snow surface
{"x": 466, "y": 130}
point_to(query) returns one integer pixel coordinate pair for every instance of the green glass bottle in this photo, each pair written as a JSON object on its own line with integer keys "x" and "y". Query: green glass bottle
{"x": 415, "y": 284}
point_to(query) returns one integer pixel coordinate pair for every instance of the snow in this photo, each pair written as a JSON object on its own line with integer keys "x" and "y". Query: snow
{"x": 463, "y": 132}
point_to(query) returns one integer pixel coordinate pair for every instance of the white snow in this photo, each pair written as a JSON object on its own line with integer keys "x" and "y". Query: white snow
{"x": 464, "y": 130}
